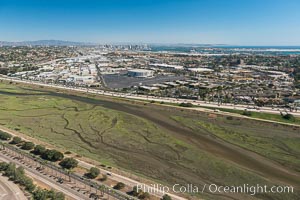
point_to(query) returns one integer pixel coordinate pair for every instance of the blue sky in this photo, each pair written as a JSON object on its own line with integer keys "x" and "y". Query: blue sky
{"x": 235, "y": 22}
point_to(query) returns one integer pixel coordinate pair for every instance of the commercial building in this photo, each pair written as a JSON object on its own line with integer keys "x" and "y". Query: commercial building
{"x": 140, "y": 73}
{"x": 167, "y": 66}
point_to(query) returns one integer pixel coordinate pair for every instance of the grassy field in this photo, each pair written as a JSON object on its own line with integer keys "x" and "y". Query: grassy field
{"x": 283, "y": 148}
{"x": 164, "y": 144}
{"x": 253, "y": 114}
{"x": 260, "y": 115}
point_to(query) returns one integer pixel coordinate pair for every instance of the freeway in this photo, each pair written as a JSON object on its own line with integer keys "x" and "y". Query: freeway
{"x": 119, "y": 178}
{"x": 160, "y": 99}
{"x": 72, "y": 185}
{"x": 130, "y": 182}
{"x": 72, "y": 194}
{"x": 9, "y": 190}
{"x": 126, "y": 180}
{"x": 114, "y": 176}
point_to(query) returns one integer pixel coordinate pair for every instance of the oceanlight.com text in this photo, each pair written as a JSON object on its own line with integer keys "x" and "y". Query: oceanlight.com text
{"x": 214, "y": 188}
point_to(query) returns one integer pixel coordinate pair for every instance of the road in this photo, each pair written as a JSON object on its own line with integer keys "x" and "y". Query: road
{"x": 119, "y": 178}
{"x": 73, "y": 194}
{"x": 126, "y": 180}
{"x": 159, "y": 99}
{"x": 9, "y": 190}
{"x": 79, "y": 184}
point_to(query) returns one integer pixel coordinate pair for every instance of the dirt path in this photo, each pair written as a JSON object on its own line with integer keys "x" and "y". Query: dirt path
{"x": 244, "y": 158}
{"x": 9, "y": 190}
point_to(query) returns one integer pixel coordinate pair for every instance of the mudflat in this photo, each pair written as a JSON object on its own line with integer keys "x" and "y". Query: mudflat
{"x": 167, "y": 144}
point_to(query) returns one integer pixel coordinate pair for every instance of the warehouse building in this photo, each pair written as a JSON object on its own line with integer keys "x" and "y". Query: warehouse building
{"x": 140, "y": 73}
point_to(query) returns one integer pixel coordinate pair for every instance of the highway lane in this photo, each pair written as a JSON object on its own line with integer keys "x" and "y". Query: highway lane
{"x": 72, "y": 194}
{"x": 127, "y": 180}
{"x": 160, "y": 99}
{"x": 114, "y": 176}
{"x": 9, "y": 190}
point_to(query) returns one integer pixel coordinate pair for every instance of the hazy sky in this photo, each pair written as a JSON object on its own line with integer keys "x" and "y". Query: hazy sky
{"x": 236, "y": 22}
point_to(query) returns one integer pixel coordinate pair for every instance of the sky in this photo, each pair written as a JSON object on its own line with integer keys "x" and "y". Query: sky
{"x": 233, "y": 22}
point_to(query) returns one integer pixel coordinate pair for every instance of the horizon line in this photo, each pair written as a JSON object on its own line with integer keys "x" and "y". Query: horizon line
{"x": 152, "y": 43}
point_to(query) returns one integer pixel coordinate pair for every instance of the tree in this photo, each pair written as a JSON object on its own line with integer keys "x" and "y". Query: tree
{"x": 136, "y": 192}
{"x": 3, "y": 166}
{"x": 28, "y": 183}
{"x": 28, "y": 146}
{"x": 119, "y": 186}
{"x": 52, "y": 195}
{"x": 10, "y": 170}
{"x": 68, "y": 163}
{"x": 39, "y": 150}
{"x": 5, "y": 136}
{"x": 16, "y": 140}
{"x": 40, "y": 194}
{"x": 52, "y": 155}
{"x": 93, "y": 173}
{"x": 139, "y": 193}
{"x": 144, "y": 195}
{"x": 18, "y": 175}
{"x": 166, "y": 197}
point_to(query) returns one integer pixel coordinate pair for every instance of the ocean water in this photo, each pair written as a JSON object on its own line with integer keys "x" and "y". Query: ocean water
{"x": 269, "y": 50}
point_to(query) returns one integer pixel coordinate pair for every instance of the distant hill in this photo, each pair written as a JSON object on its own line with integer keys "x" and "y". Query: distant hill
{"x": 45, "y": 43}
{"x": 71, "y": 43}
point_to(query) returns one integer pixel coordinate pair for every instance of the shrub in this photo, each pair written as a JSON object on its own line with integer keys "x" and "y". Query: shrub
{"x": 39, "y": 150}
{"x": 289, "y": 117}
{"x": 3, "y": 166}
{"x": 28, "y": 183}
{"x": 136, "y": 192}
{"x": 229, "y": 118}
{"x": 40, "y": 194}
{"x": 139, "y": 193}
{"x": 18, "y": 176}
{"x": 55, "y": 195}
{"x": 16, "y": 140}
{"x": 52, "y": 155}
{"x": 93, "y": 173}
{"x": 186, "y": 105}
{"x": 5, "y": 136}
{"x": 246, "y": 113}
{"x": 28, "y": 146}
{"x": 119, "y": 186}
{"x": 144, "y": 195}
{"x": 10, "y": 170}
{"x": 166, "y": 197}
{"x": 68, "y": 163}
